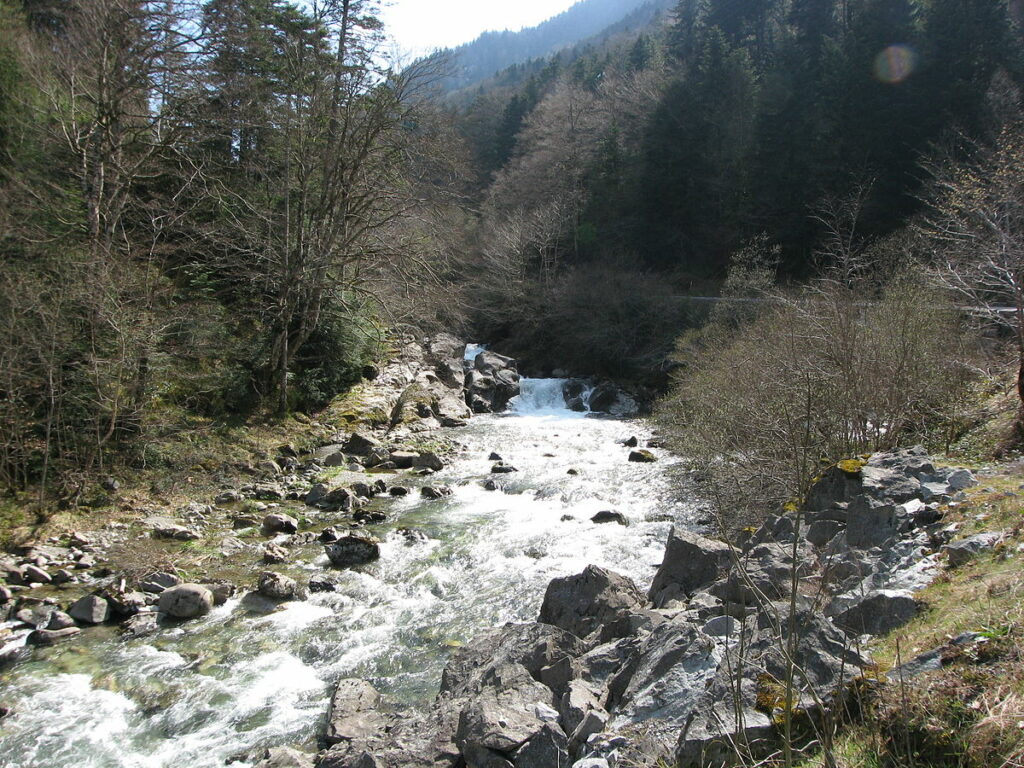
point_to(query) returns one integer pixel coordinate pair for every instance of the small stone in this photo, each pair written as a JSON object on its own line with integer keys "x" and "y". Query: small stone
{"x": 642, "y": 456}
{"x": 328, "y": 535}
{"x": 435, "y": 492}
{"x": 59, "y": 620}
{"x": 222, "y": 591}
{"x": 269, "y": 467}
{"x": 278, "y": 587}
{"x": 158, "y": 581}
{"x": 501, "y": 468}
{"x": 404, "y": 459}
{"x": 398, "y": 490}
{"x": 412, "y": 536}
{"x": 227, "y": 497}
{"x": 63, "y": 576}
{"x": 962, "y": 551}
{"x": 322, "y": 584}
{"x": 428, "y": 460}
{"x": 607, "y": 516}
{"x": 274, "y": 554}
{"x": 140, "y": 625}
{"x": 961, "y": 479}
{"x": 33, "y": 574}
{"x": 174, "y": 531}
{"x": 355, "y": 549}
{"x": 280, "y": 523}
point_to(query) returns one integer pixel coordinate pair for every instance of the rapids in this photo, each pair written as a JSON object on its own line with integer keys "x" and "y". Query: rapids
{"x": 208, "y": 692}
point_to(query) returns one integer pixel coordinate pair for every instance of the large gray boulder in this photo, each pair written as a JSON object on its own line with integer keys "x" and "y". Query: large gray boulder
{"x": 353, "y": 713}
{"x": 664, "y": 675}
{"x": 870, "y": 523}
{"x": 691, "y": 563}
{"x": 548, "y": 748}
{"x": 491, "y": 383}
{"x": 878, "y": 612}
{"x": 425, "y": 740}
{"x": 506, "y": 714}
{"x": 444, "y": 353}
{"x": 584, "y": 603}
{"x": 186, "y": 601}
{"x": 531, "y": 646}
{"x": 763, "y": 574}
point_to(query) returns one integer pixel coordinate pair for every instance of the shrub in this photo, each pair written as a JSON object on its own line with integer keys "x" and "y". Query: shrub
{"x": 832, "y": 371}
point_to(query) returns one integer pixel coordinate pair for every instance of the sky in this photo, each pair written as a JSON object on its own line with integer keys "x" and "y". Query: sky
{"x": 420, "y": 26}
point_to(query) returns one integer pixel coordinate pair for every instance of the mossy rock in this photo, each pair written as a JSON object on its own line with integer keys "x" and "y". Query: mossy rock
{"x": 852, "y": 467}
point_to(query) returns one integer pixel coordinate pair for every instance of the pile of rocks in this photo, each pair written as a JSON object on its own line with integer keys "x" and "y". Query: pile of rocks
{"x": 692, "y": 671}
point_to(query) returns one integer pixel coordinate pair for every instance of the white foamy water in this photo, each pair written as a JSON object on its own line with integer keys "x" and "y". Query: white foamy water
{"x": 232, "y": 682}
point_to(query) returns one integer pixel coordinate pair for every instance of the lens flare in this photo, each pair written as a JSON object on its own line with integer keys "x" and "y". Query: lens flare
{"x": 895, "y": 64}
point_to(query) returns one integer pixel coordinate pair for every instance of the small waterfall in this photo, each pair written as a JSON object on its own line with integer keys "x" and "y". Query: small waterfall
{"x": 472, "y": 350}
{"x": 540, "y": 397}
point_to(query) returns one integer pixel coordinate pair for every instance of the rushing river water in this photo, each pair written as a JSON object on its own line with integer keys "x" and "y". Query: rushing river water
{"x": 207, "y": 691}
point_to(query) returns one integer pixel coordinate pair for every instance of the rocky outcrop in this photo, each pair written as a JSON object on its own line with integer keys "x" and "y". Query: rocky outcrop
{"x": 491, "y": 382}
{"x": 696, "y": 668}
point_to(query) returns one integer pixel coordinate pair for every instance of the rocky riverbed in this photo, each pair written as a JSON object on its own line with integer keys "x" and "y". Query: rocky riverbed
{"x": 434, "y": 588}
{"x": 214, "y": 630}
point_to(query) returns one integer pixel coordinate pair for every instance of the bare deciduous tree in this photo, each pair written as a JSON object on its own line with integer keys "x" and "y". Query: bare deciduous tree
{"x": 977, "y": 217}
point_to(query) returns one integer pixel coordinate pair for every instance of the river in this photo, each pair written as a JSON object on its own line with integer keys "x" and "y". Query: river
{"x": 208, "y": 692}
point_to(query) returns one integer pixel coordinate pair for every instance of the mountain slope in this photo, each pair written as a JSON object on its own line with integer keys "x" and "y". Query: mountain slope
{"x": 495, "y": 51}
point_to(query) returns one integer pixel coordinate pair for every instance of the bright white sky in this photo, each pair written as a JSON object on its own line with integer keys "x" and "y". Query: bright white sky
{"x": 420, "y": 26}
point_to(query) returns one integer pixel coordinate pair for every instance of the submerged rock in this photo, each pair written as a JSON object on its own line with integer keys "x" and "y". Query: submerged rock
{"x": 45, "y": 637}
{"x": 355, "y": 549}
{"x": 278, "y": 587}
{"x": 607, "y": 516}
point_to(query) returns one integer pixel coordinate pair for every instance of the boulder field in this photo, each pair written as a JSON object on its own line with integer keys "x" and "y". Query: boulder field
{"x": 691, "y": 672}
